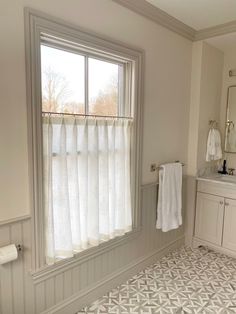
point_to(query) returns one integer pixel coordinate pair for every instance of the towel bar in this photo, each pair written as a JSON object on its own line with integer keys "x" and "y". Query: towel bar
{"x": 154, "y": 167}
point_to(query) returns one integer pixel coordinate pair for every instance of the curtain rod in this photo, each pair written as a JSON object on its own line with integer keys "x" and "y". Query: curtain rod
{"x": 84, "y": 115}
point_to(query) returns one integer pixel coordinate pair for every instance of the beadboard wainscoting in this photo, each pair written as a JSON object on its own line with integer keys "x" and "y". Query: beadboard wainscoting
{"x": 70, "y": 289}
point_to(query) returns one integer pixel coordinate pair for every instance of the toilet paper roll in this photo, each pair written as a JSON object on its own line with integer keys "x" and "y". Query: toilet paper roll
{"x": 8, "y": 253}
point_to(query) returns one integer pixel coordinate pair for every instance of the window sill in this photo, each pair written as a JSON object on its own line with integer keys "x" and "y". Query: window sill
{"x": 49, "y": 271}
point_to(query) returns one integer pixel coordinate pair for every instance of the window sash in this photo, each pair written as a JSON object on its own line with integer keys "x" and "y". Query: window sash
{"x": 82, "y": 48}
{"x": 124, "y": 74}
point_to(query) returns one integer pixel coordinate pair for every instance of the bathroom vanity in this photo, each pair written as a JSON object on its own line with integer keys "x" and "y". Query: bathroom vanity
{"x": 215, "y": 219}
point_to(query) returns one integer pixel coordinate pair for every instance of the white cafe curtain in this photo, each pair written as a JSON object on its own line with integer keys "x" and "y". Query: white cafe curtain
{"x": 87, "y": 198}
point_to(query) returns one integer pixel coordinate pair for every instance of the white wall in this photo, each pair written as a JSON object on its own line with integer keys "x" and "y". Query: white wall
{"x": 229, "y": 64}
{"x": 206, "y": 82}
{"x": 207, "y": 67}
{"x": 166, "y": 78}
{"x": 210, "y": 99}
{"x": 194, "y": 107}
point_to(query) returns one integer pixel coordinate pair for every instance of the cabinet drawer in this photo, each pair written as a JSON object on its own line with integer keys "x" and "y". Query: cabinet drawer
{"x": 220, "y": 189}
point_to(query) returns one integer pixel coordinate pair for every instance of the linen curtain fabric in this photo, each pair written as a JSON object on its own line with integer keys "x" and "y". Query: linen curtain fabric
{"x": 87, "y": 194}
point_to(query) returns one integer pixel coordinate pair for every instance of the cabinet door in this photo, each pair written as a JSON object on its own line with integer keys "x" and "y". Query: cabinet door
{"x": 229, "y": 234}
{"x": 209, "y": 218}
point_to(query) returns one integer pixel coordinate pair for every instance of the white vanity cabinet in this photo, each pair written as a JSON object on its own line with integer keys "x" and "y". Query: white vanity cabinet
{"x": 209, "y": 217}
{"x": 215, "y": 219}
{"x": 229, "y": 230}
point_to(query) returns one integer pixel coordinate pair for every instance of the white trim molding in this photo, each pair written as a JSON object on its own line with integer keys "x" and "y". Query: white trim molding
{"x": 52, "y": 270}
{"x": 14, "y": 220}
{"x": 158, "y": 16}
{"x": 36, "y": 24}
{"x": 199, "y": 242}
{"x": 216, "y": 31}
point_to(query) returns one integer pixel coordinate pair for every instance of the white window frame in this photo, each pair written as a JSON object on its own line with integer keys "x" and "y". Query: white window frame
{"x": 37, "y": 23}
{"x": 124, "y": 98}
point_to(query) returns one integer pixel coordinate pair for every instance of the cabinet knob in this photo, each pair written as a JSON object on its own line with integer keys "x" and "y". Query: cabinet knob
{"x": 221, "y": 203}
{"x": 226, "y": 204}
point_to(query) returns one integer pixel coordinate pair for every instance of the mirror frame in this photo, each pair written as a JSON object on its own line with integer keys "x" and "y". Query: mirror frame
{"x": 226, "y": 120}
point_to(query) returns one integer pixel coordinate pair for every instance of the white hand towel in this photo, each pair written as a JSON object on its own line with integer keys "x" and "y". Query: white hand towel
{"x": 214, "y": 151}
{"x": 169, "y": 207}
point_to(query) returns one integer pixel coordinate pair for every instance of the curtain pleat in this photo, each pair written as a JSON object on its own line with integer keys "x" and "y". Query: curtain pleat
{"x": 87, "y": 193}
{"x": 48, "y": 193}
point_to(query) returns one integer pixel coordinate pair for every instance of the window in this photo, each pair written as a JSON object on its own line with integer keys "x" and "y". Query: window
{"x": 86, "y": 149}
{"x": 73, "y": 82}
{"x": 84, "y": 103}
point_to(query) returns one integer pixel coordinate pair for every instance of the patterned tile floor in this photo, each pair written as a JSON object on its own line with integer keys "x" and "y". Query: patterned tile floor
{"x": 184, "y": 281}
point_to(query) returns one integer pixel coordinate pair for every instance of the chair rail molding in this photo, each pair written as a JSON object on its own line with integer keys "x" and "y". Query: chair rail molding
{"x": 14, "y": 220}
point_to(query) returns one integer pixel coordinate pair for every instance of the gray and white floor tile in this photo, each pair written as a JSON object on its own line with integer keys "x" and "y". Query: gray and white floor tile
{"x": 186, "y": 281}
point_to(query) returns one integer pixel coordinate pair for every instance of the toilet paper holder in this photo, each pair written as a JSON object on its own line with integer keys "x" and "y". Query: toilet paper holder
{"x": 10, "y": 253}
{"x": 19, "y": 247}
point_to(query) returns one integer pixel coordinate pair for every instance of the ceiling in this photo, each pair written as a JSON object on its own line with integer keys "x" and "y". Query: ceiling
{"x": 199, "y": 14}
{"x": 225, "y": 42}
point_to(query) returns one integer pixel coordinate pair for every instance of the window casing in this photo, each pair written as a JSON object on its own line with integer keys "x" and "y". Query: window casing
{"x": 42, "y": 30}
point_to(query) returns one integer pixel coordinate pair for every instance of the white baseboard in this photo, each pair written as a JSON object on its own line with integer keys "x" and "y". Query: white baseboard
{"x": 198, "y": 242}
{"x": 72, "y": 304}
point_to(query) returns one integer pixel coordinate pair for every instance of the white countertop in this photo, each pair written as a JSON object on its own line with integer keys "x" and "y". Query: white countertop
{"x": 219, "y": 178}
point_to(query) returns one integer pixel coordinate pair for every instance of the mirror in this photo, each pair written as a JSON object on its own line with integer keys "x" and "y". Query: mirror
{"x": 230, "y": 130}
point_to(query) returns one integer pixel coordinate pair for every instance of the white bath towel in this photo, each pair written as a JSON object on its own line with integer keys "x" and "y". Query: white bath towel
{"x": 214, "y": 151}
{"x": 169, "y": 207}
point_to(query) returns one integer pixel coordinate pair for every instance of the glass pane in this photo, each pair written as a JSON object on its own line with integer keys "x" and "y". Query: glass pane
{"x": 103, "y": 87}
{"x": 62, "y": 81}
